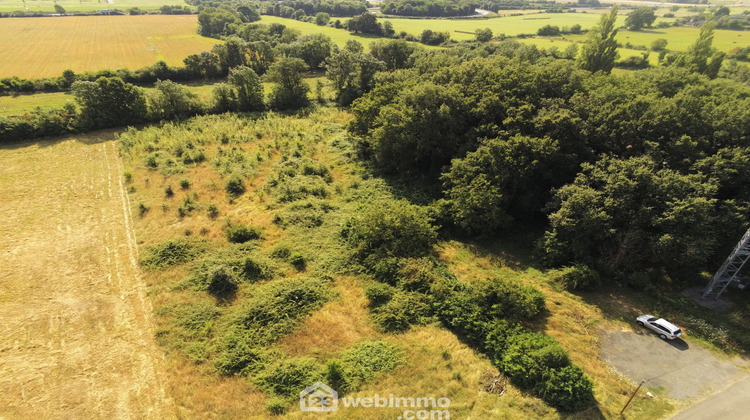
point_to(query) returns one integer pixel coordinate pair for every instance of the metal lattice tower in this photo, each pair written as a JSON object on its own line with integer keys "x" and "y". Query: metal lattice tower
{"x": 729, "y": 270}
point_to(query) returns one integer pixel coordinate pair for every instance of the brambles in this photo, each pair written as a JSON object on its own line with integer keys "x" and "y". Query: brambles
{"x": 172, "y": 252}
{"x": 577, "y": 277}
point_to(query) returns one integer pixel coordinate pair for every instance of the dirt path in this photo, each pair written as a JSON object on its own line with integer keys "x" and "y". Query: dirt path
{"x": 77, "y": 337}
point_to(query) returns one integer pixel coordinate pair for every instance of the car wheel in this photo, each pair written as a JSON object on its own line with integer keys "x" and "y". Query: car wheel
{"x": 640, "y": 323}
{"x": 662, "y": 336}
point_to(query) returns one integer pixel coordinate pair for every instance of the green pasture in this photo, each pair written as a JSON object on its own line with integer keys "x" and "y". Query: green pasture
{"x": 679, "y": 38}
{"x": 548, "y": 43}
{"x": 338, "y": 36}
{"x": 83, "y": 5}
{"x": 21, "y": 104}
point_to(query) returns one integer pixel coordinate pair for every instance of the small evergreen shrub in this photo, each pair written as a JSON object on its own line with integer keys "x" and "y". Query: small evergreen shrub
{"x": 235, "y": 185}
{"x": 277, "y": 406}
{"x": 379, "y": 293}
{"x": 184, "y": 183}
{"x": 239, "y": 233}
{"x": 222, "y": 281}
{"x": 298, "y": 261}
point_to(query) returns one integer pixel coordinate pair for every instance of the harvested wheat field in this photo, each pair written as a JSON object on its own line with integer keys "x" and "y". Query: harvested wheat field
{"x": 77, "y": 337}
{"x": 92, "y": 43}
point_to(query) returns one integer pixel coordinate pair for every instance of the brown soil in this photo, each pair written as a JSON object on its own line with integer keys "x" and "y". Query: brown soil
{"x": 77, "y": 337}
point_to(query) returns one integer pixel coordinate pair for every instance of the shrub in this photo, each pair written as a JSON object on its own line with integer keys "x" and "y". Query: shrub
{"x": 212, "y": 210}
{"x": 568, "y": 389}
{"x": 289, "y": 376}
{"x": 172, "y": 252}
{"x": 277, "y": 406}
{"x": 239, "y": 233}
{"x": 239, "y": 355}
{"x": 276, "y": 307}
{"x": 184, "y": 183}
{"x": 529, "y": 356}
{"x": 298, "y": 261}
{"x": 281, "y": 251}
{"x": 257, "y": 268}
{"x": 504, "y": 299}
{"x": 390, "y": 229}
{"x": 169, "y": 192}
{"x": 577, "y": 277}
{"x": 222, "y": 281}
{"x": 401, "y": 312}
{"x": 366, "y": 359}
{"x": 336, "y": 377}
{"x": 379, "y": 293}
{"x": 235, "y": 185}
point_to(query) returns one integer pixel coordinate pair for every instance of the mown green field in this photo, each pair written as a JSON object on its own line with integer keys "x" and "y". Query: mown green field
{"x": 83, "y": 5}
{"x": 338, "y": 36}
{"x": 679, "y": 38}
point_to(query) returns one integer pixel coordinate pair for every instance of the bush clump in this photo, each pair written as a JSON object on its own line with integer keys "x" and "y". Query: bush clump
{"x": 238, "y": 233}
{"x": 172, "y": 252}
{"x": 276, "y": 307}
{"x": 379, "y": 294}
{"x": 390, "y": 229}
{"x": 403, "y": 310}
{"x": 577, "y": 277}
{"x": 239, "y": 354}
{"x": 288, "y": 377}
{"x": 505, "y": 299}
{"x": 222, "y": 281}
{"x": 235, "y": 185}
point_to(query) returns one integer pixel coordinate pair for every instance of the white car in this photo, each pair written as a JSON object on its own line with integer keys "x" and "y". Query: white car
{"x": 662, "y": 327}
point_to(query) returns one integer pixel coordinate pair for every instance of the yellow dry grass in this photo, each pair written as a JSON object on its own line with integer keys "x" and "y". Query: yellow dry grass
{"x": 76, "y": 339}
{"x": 44, "y": 47}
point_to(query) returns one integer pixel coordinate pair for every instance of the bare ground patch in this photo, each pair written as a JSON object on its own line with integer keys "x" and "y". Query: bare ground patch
{"x": 77, "y": 337}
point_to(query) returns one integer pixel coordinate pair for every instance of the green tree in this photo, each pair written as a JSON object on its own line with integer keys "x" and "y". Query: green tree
{"x": 701, "y": 57}
{"x": 352, "y": 73}
{"x": 600, "y": 50}
{"x": 628, "y": 216}
{"x": 322, "y": 18}
{"x": 249, "y": 90}
{"x": 504, "y": 180}
{"x": 260, "y": 56}
{"x": 639, "y": 18}
{"x": 109, "y": 102}
{"x": 290, "y": 91}
{"x": 312, "y": 48}
{"x": 171, "y": 100}
{"x": 59, "y": 9}
{"x": 365, "y": 23}
{"x": 659, "y": 44}
{"x": 394, "y": 53}
{"x": 483, "y": 34}
{"x": 214, "y": 21}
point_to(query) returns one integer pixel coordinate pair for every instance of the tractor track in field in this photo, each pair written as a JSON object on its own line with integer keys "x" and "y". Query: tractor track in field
{"x": 77, "y": 337}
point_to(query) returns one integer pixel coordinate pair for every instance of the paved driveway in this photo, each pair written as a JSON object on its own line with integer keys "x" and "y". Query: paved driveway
{"x": 685, "y": 370}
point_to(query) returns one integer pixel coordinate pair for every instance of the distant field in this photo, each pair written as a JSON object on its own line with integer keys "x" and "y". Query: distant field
{"x": 679, "y": 38}
{"x": 44, "y": 47}
{"x": 511, "y": 26}
{"x": 339, "y": 36}
{"x": 83, "y": 5}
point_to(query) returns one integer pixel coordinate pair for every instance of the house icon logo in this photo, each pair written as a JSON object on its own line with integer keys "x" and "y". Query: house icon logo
{"x": 319, "y": 397}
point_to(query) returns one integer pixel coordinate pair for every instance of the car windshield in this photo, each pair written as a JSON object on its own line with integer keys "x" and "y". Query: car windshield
{"x": 652, "y": 319}
{"x": 677, "y": 331}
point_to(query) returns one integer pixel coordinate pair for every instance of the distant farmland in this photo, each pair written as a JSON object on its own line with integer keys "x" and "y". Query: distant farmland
{"x": 44, "y": 47}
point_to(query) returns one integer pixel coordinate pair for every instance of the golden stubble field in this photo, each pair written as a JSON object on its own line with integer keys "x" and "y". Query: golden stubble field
{"x": 77, "y": 337}
{"x": 44, "y": 47}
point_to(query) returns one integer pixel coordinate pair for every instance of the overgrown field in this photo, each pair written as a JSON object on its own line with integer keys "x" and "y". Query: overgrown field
{"x": 246, "y": 227}
{"x": 44, "y": 47}
{"x": 83, "y": 5}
